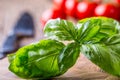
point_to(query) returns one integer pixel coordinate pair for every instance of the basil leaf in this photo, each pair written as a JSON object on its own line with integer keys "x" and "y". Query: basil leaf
{"x": 38, "y": 60}
{"x": 106, "y": 54}
{"x": 60, "y": 30}
{"x": 68, "y": 56}
{"x": 96, "y": 29}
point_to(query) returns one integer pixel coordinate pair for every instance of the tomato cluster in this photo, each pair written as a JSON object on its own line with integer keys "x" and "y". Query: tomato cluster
{"x": 80, "y": 9}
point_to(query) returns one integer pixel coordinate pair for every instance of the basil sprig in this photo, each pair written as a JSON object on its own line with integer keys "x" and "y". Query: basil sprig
{"x": 98, "y": 38}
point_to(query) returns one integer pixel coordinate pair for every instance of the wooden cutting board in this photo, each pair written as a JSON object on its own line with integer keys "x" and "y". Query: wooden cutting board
{"x": 82, "y": 70}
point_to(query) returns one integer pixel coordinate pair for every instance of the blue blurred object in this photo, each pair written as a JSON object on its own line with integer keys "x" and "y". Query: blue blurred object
{"x": 23, "y": 28}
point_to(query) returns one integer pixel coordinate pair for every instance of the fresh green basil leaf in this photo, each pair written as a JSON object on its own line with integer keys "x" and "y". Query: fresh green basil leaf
{"x": 106, "y": 54}
{"x": 38, "y": 60}
{"x": 96, "y": 28}
{"x": 68, "y": 56}
{"x": 60, "y": 30}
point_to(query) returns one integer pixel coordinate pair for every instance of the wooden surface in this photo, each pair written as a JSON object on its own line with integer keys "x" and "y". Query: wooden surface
{"x": 83, "y": 69}
{"x": 10, "y": 11}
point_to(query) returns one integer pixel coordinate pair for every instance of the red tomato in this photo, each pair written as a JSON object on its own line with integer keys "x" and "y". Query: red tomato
{"x": 118, "y": 12}
{"x": 108, "y": 10}
{"x": 70, "y": 7}
{"x": 59, "y": 4}
{"x": 118, "y": 1}
{"x": 85, "y": 9}
{"x": 51, "y": 14}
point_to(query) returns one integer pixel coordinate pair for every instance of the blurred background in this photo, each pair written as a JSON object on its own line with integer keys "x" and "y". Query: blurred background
{"x": 11, "y": 11}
